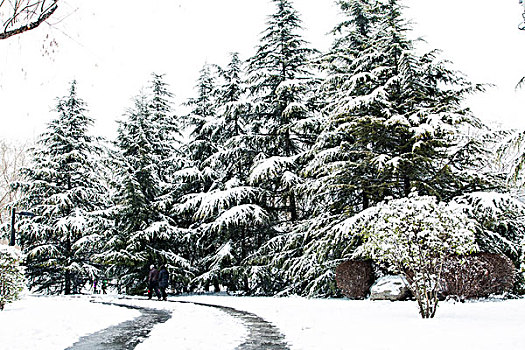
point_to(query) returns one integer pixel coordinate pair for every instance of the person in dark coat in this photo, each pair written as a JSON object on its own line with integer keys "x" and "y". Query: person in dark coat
{"x": 153, "y": 282}
{"x": 164, "y": 278}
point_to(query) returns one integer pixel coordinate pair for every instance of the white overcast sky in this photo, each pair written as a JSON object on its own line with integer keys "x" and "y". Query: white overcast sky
{"x": 111, "y": 47}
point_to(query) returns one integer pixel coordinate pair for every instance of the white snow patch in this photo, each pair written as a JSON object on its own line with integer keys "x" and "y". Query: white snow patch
{"x": 50, "y": 323}
{"x": 196, "y": 327}
{"x": 47, "y": 323}
{"x": 341, "y": 324}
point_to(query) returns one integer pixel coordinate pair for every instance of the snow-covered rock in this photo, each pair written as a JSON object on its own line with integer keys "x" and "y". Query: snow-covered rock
{"x": 390, "y": 288}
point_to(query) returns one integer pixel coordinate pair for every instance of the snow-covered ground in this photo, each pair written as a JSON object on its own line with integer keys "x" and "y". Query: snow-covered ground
{"x": 57, "y": 322}
{"x": 191, "y": 327}
{"x": 373, "y": 325}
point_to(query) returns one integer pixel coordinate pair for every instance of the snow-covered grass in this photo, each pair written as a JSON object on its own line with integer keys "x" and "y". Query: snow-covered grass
{"x": 55, "y": 322}
{"x": 384, "y": 325}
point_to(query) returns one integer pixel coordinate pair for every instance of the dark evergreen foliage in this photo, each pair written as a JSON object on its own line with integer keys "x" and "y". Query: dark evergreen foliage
{"x": 145, "y": 231}
{"x": 392, "y": 125}
{"x": 280, "y": 85}
{"x": 65, "y": 192}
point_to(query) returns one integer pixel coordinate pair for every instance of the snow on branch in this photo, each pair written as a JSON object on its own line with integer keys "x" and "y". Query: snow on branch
{"x": 219, "y": 200}
{"x": 246, "y": 215}
{"x": 270, "y": 168}
{"x": 413, "y": 237}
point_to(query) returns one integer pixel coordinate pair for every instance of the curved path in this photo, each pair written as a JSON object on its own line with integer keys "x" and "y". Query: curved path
{"x": 127, "y": 335}
{"x": 261, "y": 333}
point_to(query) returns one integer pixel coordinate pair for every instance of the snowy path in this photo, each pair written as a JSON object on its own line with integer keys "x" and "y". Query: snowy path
{"x": 126, "y": 335}
{"x": 262, "y": 334}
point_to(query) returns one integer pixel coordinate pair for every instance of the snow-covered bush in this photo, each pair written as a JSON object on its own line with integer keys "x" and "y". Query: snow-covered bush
{"x": 12, "y": 279}
{"x": 413, "y": 236}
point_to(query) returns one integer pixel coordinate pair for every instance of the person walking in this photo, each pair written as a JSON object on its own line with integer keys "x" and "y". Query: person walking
{"x": 104, "y": 286}
{"x": 153, "y": 282}
{"x": 164, "y": 279}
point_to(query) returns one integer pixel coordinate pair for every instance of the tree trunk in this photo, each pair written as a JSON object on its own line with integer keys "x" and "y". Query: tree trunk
{"x": 366, "y": 200}
{"x": 67, "y": 280}
{"x": 293, "y": 207}
{"x": 406, "y": 185}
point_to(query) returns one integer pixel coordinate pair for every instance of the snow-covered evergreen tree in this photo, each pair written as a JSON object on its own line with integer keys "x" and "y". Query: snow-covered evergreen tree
{"x": 499, "y": 223}
{"x": 202, "y": 116}
{"x": 145, "y": 232}
{"x": 280, "y": 85}
{"x": 231, "y": 107}
{"x": 165, "y": 142}
{"x": 283, "y": 125}
{"x": 511, "y": 156}
{"x": 12, "y": 280}
{"x": 392, "y": 123}
{"x": 393, "y": 114}
{"x": 224, "y": 208}
{"x": 65, "y": 192}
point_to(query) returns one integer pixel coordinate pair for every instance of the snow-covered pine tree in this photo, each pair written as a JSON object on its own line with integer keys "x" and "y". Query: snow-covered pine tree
{"x": 64, "y": 191}
{"x": 166, "y": 141}
{"x": 280, "y": 85}
{"x": 499, "y": 223}
{"x": 511, "y": 156}
{"x": 175, "y": 183}
{"x": 283, "y": 125}
{"x": 393, "y": 114}
{"x": 12, "y": 280}
{"x": 304, "y": 269}
{"x": 227, "y": 216}
{"x": 202, "y": 116}
{"x": 392, "y": 124}
{"x": 136, "y": 188}
{"x": 232, "y": 109}
{"x": 145, "y": 232}
{"x": 196, "y": 177}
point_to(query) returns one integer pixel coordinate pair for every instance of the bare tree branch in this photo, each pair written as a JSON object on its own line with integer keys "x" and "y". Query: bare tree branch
{"x": 24, "y": 15}
{"x": 13, "y": 157}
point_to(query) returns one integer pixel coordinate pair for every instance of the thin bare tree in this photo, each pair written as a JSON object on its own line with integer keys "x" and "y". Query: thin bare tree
{"x": 12, "y": 158}
{"x": 19, "y": 16}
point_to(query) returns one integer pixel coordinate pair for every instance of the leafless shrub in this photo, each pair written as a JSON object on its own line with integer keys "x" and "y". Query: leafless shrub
{"x": 355, "y": 278}
{"x": 477, "y": 276}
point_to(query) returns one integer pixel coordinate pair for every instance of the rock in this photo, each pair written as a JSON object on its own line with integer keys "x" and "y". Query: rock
{"x": 391, "y": 288}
